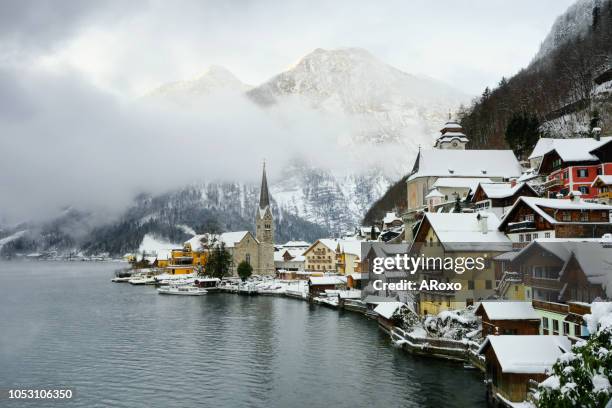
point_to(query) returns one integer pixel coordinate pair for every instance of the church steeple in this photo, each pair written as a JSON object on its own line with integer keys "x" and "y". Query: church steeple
{"x": 264, "y": 198}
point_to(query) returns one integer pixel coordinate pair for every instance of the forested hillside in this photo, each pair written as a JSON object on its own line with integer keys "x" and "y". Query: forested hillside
{"x": 564, "y": 92}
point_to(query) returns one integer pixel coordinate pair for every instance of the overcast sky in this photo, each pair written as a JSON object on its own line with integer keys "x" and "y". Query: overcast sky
{"x": 70, "y": 71}
{"x": 131, "y": 47}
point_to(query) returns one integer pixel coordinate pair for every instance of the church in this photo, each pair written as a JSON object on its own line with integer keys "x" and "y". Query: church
{"x": 257, "y": 250}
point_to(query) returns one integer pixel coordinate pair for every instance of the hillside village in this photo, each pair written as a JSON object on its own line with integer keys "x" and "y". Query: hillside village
{"x": 543, "y": 224}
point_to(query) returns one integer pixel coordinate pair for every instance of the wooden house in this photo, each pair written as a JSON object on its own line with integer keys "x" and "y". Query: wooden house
{"x": 531, "y": 218}
{"x": 385, "y": 312}
{"x": 499, "y": 197}
{"x": 508, "y": 318}
{"x": 512, "y": 361}
{"x": 319, "y": 284}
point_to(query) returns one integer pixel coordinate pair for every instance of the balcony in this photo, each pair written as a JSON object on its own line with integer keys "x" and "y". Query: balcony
{"x": 521, "y": 226}
{"x": 554, "y": 182}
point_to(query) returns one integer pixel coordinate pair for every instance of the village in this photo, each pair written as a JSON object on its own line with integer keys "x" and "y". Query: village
{"x": 543, "y": 224}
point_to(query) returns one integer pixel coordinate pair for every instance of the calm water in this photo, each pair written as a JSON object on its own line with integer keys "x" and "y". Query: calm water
{"x": 66, "y": 324}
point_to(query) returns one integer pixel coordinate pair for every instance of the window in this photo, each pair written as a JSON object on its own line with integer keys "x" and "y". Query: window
{"x": 535, "y": 235}
{"x": 247, "y": 258}
{"x": 584, "y": 216}
{"x": 599, "y": 173}
{"x": 545, "y": 322}
{"x": 521, "y": 239}
{"x": 555, "y": 323}
{"x": 529, "y": 217}
{"x": 470, "y": 285}
{"x": 583, "y": 189}
{"x": 547, "y": 235}
{"x": 566, "y": 329}
{"x": 528, "y": 237}
{"x": 577, "y": 331}
{"x": 567, "y": 216}
{"x": 488, "y": 284}
{"x": 583, "y": 173}
{"x": 566, "y": 174}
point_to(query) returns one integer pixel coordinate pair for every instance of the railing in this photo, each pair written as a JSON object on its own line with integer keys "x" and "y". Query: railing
{"x": 553, "y": 182}
{"x": 507, "y": 279}
{"x": 521, "y": 225}
{"x": 553, "y": 307}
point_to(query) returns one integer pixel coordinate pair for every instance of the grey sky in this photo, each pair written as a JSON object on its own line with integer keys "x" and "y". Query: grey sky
{"x": 71, "y": 134}
{"x": 130, "y": 47}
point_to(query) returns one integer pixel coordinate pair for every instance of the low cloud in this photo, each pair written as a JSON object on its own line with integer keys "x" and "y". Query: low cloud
{"x": 64, "y": 142}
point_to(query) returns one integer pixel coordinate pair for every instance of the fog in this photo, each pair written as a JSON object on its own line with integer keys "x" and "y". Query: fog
{"x": 64, "y": 142}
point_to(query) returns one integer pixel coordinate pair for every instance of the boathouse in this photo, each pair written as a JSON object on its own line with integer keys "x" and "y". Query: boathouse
{"x": 499, "y": 317}
{"x": 514, "y": 360}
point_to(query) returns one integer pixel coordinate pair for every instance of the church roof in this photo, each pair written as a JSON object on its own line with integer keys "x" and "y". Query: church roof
{"x": 264, "y": 196}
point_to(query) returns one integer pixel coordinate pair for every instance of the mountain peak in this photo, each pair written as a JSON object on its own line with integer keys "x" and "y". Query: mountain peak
{"x": 214, "y": 79}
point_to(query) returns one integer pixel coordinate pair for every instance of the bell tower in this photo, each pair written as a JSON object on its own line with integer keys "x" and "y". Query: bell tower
{"x": 264, "y": 228}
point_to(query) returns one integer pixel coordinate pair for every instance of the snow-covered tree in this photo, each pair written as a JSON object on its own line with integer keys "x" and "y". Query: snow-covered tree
{"x": 581, "y": 377}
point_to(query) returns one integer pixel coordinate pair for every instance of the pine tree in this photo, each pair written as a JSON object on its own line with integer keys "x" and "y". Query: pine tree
{"x": 219, "y": 261}
{"x": 457, "y": 207}
{"x": 522, "y": 133}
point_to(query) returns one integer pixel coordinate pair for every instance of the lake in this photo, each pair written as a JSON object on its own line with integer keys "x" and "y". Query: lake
{"x": 64, "y": 324}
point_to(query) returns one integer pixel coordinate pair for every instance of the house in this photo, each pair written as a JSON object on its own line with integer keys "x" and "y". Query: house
{"x": 289, "y": 260}
{"x": 295, "y": 245}
{"x": 334, "y": 255}
{"x": 348, "y": 256}
{"x": 501, "y": 317}
{"x": 356, "y": 280}
{"x": 602, "y": 188}
{"x": 544, "y": 145}
{"x": 564, "y": 271}
{"x": 321, "y": 256}
{"x": 533, "y": 217}
{"x": 385, "y": 312}
{"x": 391, "y": 221}
{"x": 447, "y": 163}
{"x": 319, "y": 284}
{"x": 453, "y": 187}
{"x": 573, "y": 164}
{"x": 512, "y": 361}
{"x": 458, "y": 236}
{"x": 565, "y": 319}
{"x": 189, "y": 259}
{"x": 499, "y": 197}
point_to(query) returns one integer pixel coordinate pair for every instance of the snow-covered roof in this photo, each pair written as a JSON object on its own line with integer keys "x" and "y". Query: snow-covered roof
{"x": 296, "y": 244}
{"x": 325, "y": 280}
{"x": 528, "y": 354}
{"x": 390, "y": 217}
{"x": 606, "y": 180}
{"x": 501, "y": 190}
{"x": 387, "y": 309}
{"x": 230, "y": 239}
{"x": 460, "y": 182}
{"x": 434, "y": 193}
{"x": 544, "y": 144}
{"x": 501, "y": 310}
{"x": 462, "y": 231}
{"x": 466, "y": 163}
{"x": 538, "y": 203}
{"x": 576, "y": 149}
{"x": 350, "y": 246}
{"x": 196, "y": 241}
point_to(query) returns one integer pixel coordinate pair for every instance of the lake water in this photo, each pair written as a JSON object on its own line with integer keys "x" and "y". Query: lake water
{"x": 67, "y": 325}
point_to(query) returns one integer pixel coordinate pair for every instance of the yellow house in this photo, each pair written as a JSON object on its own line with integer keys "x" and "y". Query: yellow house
{"x": 321, "y": 256}
{"x": 458, "y": 236}
{"x": 348, "y": 256}
{"x": 187, "y": 260}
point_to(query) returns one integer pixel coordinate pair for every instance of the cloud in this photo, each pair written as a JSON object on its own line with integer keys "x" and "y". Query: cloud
{"x": 65, "y": 142}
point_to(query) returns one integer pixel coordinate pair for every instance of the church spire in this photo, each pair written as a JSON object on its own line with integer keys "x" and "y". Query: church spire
{"x": 264, "y": 198}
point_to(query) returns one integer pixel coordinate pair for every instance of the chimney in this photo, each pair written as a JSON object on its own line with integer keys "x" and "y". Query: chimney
{"x": 513, "y": 183}
{"x": 597, "y": 133}
{"x": 483, "y": 222}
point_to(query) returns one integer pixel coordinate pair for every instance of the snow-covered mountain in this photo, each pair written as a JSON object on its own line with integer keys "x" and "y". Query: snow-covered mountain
{"x": 574, "y": 22}
{"x": 214, "y": 80}
{"x": 384, "y": 108}
{"x": 385, "y": 104}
